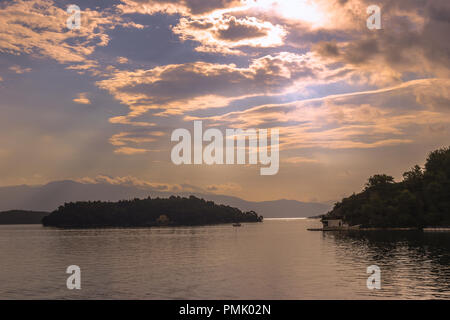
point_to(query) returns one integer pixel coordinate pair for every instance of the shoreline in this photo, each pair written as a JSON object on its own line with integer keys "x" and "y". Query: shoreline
{"x": 429, "y": 229}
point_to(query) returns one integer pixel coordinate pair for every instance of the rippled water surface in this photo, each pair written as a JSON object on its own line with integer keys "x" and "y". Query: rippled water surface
{"x": 277, "y": 259}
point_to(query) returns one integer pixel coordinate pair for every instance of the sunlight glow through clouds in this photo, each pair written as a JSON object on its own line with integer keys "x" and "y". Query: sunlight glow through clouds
{"x": 304, "y": 10}
{"x": 311, "y": 68}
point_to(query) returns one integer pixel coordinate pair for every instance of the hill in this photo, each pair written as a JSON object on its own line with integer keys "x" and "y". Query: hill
{"x": 50, "y": 196}
{"x": 422, "y": 199}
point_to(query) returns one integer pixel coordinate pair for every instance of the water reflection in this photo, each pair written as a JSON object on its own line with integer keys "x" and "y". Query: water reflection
{"x": 413, "y": 264}
{"x": 272, "y": 260}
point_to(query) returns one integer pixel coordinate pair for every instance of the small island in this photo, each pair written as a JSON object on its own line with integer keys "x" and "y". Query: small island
{"x": 173, "y": 211}
{"x": 420, "y": 200}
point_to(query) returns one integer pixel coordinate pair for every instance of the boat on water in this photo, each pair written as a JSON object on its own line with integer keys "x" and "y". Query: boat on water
{"x": 237, "y": 224}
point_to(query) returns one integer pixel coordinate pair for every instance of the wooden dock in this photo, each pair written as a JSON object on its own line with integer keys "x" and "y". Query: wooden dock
{"x": 334, "y": 229}
{"x": 340, "y": 229}
{"x": 436, "y": 229}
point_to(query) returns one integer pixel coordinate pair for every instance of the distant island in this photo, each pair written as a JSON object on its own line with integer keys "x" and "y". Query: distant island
{"x": 422, "y": 199}
{"x": 50, "y": 196}
{"x": 22, "y": 217}
{"x": 173, "y": 211}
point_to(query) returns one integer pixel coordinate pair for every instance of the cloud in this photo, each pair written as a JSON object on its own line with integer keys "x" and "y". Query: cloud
{"x": 125, "y": 181}
{"x": 82, "y": 98}
{"x": 435, "y": 97}
{"x": 413, "y": 40}
{"x": 310, "y": 68}
{"x": 183, "y": 7}
{"x": 372, "y": 119}
{"x": 299, "y": 160}
{"x": 123, "y": 140}
{"x": 122, "y": 60}
{"x": 130, "y": 151}
{"x": 224, "y": 34}
{"x": 225, "y": 188}
{"x": 19, "y": 70}
{"x": 161, "y": 187}
{"x": 179, "y": 88}
{"x": 38, "y": 27}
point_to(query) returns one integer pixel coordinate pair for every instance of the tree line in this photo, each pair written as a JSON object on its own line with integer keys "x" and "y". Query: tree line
{"x": 173, "y": 211}
{"x": 421, "y": 199}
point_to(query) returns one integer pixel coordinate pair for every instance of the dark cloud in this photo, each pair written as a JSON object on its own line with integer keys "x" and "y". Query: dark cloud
{"x": 194, "y": 6}
{"x": 188, "y": 81}
{"x": 202, "y": 6}
{"x": 327, "y": 49}
{"x": 238, "y": 30}
{"x": 414, "y": 38}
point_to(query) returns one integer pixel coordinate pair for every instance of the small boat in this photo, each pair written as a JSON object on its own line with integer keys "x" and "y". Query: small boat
{"x": 237, "y": 224}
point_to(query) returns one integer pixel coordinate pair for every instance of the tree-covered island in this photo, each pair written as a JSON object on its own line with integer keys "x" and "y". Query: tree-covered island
{"x": 422, "y": 199}
{"x": 173, "y": 211}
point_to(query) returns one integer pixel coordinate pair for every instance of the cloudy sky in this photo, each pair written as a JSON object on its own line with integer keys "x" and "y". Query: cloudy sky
{"x": 99, "y": 104}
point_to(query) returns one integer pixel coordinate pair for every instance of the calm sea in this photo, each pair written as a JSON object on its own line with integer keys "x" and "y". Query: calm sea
{"x": 277, "y": 259}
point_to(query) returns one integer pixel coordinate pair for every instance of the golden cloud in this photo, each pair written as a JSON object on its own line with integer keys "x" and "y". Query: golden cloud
{"x": 358, "y": 120}
{"x": 179, "y": 88}
{"x": 82, "y": 98}
{"x": 155, "y": 186}
{"x": 183, "y": 7}
{"x": 19, "y": 70}
{"x": 123, "y": 138}
{"x": 39, "y": 27}
{"x": 130, "y": 151}
{"x": 225, "y": 34}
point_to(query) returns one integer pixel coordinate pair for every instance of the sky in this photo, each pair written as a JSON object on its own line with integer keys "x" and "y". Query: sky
{"x": 98, "y": 104}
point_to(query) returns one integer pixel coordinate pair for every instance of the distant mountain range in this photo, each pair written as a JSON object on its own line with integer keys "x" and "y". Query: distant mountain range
{"x": 50, "y": 196}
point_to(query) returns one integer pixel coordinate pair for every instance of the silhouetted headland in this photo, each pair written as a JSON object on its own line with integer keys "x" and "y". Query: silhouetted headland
{"x": 22, "y": 217}
{"x": 421, "y": 200}
{"x": 173, "y": 211}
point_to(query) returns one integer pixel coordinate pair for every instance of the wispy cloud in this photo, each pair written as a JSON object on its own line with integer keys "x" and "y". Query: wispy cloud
{"x": 19, "y": 70}
{"x": 161, "y": 187}
{"x": 299, "y": 160}
{"x": 130, "y": 151}
{"x": 82, "y": 98}
{"x": 358, "y": 120}
{"x": 122, "y": 60}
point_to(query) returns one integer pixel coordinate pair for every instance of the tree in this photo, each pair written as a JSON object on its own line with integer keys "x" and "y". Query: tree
{"x": 379, "y": 180}
{"x": 413, "y": 178}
